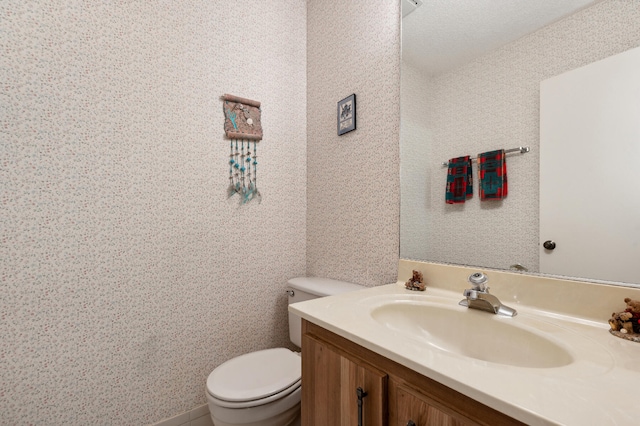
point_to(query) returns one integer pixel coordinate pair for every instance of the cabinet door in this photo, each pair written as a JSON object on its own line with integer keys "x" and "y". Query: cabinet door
{"x": 413, "y": 409}
{"x": 330, "y": 380}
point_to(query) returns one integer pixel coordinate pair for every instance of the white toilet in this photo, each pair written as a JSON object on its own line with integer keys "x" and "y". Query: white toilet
{"x": 263, "y": 388}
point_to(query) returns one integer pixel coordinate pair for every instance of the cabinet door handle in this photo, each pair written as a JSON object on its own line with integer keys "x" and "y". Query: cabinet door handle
{"x": 411, "y": 423}
{"x": 361, "y": 394}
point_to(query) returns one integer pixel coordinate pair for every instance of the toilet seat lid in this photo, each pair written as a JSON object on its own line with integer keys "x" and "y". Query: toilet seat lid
{"x": 255, "y": 375}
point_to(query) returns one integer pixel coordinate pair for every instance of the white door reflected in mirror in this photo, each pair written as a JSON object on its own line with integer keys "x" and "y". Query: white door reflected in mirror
{"x": 589, "y": 162}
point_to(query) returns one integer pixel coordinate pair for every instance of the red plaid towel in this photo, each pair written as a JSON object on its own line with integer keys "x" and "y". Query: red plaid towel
{"x": 459, "y": 180}
{"x": 492, "y": 173}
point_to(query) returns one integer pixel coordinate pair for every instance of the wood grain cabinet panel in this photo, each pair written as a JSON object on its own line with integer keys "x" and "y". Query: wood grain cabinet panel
{"x": 330, "y": 383}
{"x": 414, "y": 409}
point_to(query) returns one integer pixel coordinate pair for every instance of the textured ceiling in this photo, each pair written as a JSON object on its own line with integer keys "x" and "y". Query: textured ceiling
{"x": 443, "y": 34}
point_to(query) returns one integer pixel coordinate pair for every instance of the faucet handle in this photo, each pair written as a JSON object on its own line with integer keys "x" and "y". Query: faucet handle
{"x": 479, "y": 281}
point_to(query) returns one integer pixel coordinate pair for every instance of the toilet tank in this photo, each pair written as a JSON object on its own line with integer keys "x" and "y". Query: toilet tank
{"x": 307, "y": 288}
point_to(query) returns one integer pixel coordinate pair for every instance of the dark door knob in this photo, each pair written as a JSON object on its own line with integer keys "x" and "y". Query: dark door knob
{"x": 411, "y": 423}
{"x": 549, "y": 245}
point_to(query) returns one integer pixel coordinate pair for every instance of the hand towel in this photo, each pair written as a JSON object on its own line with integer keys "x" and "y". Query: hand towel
{"x": 492, "y": 173}
{"x": 459, "y": 180}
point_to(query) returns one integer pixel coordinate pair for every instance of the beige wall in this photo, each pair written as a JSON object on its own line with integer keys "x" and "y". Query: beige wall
{"x": 126, "y": 275}
{"x": 353, "y": 180}
{"x": 492, "y": 103}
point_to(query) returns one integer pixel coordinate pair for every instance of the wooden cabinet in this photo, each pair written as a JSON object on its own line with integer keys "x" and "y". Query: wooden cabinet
{"x": 413, "y": 408}
{"x": 331, "y": 397}
{"x": 333, "y": 368}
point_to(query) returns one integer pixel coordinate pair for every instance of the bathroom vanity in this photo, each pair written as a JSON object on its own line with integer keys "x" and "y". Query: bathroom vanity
{"x": 398, "y": 357}
{"x": 395, "y": 395}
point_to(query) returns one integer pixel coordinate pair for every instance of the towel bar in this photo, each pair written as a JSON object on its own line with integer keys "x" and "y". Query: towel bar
{"x": 520, "y": 149}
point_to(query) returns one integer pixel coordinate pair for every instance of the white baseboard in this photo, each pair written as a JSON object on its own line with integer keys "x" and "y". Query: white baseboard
{"x": 199, "y": 416}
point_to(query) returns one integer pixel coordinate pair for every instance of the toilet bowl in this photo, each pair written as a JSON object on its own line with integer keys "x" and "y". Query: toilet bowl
{"x": 263, "y": 388}
{"x": 259, "y": 388}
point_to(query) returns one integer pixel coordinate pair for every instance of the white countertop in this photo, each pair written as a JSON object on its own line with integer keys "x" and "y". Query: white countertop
{"x": 598, "y": 388}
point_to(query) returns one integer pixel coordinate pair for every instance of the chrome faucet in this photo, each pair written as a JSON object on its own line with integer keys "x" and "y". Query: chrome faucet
{"x": 478, "y": 297}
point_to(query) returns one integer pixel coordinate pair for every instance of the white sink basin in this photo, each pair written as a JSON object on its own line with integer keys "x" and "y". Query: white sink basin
{"x": 472, "y": 333}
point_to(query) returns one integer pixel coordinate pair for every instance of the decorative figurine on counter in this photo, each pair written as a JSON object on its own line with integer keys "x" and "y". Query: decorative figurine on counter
{"x": 416, "y": 282}
{"x": 626, "y": 324}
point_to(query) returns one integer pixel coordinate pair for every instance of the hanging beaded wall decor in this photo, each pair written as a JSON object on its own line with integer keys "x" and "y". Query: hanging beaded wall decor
{"x": 242, "y": 126}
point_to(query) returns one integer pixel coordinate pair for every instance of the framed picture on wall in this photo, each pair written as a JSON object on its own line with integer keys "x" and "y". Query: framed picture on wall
{"x": 347, "y": 115}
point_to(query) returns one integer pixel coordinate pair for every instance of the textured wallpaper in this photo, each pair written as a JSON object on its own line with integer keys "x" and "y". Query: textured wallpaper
{"x": 126, "y": 275}
{"x": 353, "y": 180}
{"x": 492, "y": 103}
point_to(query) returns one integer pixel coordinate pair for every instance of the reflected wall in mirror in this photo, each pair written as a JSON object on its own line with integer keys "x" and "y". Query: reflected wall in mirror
{"x": 491, "y": 101}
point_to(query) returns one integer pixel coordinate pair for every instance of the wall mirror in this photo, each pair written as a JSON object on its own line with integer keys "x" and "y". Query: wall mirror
{"x": 470, "y": 83}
